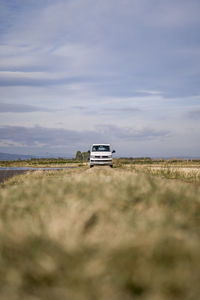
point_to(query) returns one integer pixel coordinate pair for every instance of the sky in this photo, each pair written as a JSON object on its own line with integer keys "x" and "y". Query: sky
{"x": 78, "y": 72}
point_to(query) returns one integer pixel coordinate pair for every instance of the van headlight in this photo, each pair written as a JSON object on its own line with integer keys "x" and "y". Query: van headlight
{"x": 109, "y": 156}
{"x": 92, "y": 156}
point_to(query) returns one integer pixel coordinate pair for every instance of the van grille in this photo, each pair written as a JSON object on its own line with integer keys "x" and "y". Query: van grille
{"x": 101, "y": 156}
{"x": 101, "y": 161}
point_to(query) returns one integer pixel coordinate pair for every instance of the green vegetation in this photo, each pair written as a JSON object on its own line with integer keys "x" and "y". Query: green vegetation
{"x": 136, "y": 160}
{"x": 39, "y": 162}
{"x": 82, "y": 156}
{"x": 165, "y": 162}
{"x": 99, "y": 233}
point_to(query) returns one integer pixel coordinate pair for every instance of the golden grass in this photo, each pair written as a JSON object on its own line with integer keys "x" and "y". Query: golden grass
{"x": 99, "y": 233}
{"x": 190, "y": 173}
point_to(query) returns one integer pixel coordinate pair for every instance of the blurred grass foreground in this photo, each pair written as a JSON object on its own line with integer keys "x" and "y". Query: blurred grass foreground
{"x": 99, "y": 234}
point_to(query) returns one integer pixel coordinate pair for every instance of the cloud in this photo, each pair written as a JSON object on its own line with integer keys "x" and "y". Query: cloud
{"x": 48, "y": 137}
{"x": 107, "y": 110}
{"x": 173, "y": 14}
{"x": 147, "y": 92}
{"x": 130, "y": 134}
{"x": 131, "y": 64}
{"x": 125, "y": 47}
{"x": 128, "y": 141}
{"x": 54, "y": 137}
{"x": 35, "y": 78}
{"x": 194, "y": 114}
{"x": 20, "y": 108}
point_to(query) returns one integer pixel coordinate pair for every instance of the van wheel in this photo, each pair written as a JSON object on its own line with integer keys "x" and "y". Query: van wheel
{"x": 91, "y": 166}
{"x": 111, "y": 166}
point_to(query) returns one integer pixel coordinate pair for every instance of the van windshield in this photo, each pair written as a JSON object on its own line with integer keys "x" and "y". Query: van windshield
{"x": 103, "y": 148}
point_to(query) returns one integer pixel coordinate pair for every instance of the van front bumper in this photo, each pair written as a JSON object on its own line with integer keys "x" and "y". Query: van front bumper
{"x": 101, "y": 162}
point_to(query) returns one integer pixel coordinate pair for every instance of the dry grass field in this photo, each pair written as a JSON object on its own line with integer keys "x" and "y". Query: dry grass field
{"x": 100, "y": 233}
{"x": 184, "y": 173}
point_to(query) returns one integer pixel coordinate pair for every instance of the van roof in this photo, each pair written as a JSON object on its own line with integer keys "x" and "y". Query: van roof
{"x": 100, "y": 144}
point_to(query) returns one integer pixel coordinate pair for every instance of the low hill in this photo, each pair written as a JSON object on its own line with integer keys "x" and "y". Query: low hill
{"x": 8, "y": 156}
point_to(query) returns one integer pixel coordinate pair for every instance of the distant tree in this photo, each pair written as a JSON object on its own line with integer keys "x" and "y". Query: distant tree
{"x": 85, "y": 156}
{"x": 79, "y": 155}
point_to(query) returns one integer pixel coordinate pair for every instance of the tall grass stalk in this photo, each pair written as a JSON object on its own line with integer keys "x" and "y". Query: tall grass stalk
{"x": 99, "y": 234}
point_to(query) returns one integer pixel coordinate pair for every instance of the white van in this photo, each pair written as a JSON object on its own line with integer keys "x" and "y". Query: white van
{"x": 101, "y": 154}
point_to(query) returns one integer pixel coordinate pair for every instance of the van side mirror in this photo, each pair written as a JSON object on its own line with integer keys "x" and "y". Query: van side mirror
{"x": 89, "y": 151}
{"x": 113, "y": 151}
